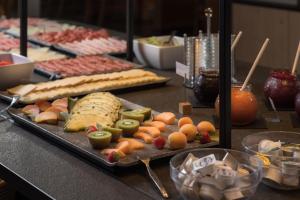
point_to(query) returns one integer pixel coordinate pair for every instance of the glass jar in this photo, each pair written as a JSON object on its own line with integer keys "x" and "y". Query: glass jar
{"x": 243, "y": 106}
{"x": 281, "y": 87}
{"x": 206, "y": 86}
{"x": 297, "y": 104}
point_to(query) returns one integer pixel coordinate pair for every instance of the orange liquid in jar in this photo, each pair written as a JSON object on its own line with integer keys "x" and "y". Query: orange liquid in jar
{"x": 243, "y": 106}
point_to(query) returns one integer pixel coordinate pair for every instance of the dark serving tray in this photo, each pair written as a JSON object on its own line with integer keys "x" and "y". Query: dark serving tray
{"x": 79, "y": 144}
{"x": 38, "y": 42}
{"x": 55, "y": 76}
{"x": 112, "y": 33}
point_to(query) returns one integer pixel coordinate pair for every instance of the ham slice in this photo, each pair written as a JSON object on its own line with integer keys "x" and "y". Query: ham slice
{"x": 84, "y": 65}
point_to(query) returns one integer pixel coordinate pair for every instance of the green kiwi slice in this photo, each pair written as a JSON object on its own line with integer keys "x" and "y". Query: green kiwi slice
{"x": 133, "y": 115}
{"x": 145, "y": 111}
{"x": 129, "y": 126}
{"x": 100, "y": 139}
{"x": 116, "y": 133}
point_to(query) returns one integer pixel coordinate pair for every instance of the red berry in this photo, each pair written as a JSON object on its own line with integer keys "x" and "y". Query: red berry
{"x": 205, "y": 138}
{"x": 113, "y": 157}
{"x": 159, "y": 142}
{"x": 91, "y": 129}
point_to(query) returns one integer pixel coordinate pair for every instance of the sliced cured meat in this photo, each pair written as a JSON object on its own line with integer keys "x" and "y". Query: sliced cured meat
{"x": 96, "y": 46}
{"x": 84, "y": 65}
{"x": 71, "y": 35}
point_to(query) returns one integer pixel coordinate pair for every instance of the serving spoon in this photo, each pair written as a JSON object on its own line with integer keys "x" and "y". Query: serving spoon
{"x": 15, "y": 98}
{"x": 170, "y": 40}
{"x": 154, "y": 177}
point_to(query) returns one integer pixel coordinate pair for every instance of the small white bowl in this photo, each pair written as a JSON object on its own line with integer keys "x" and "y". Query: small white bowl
{"x": 160, "y": 57}
{"x": 17, "y": 73}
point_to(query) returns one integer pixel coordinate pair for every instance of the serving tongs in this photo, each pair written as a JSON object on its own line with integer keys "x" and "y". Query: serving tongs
{"x": 15, "y": 98}
{"x": 154, "y": 177}
{"x": 275, "y": 119}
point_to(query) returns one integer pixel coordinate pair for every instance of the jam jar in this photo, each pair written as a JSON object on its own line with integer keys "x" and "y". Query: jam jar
{"x": 281, "y": 87}
{"x": 206, "y": 86}
{"x": 243, "y": 106}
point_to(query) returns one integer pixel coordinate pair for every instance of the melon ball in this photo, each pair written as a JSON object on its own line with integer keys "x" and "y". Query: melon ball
{"x": 190, "y": 131}
{"x": 177, "y": 140}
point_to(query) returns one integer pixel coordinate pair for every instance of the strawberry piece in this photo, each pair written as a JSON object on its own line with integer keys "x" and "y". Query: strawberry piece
{"x": 91, "y": 129}
{"x": 205, "y": 138}
{"x": 159, "y": 142}
{"x": 113, "y": 157}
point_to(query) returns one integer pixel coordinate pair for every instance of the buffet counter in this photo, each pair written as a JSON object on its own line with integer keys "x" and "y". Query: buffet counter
{"x": 42, "y": 170}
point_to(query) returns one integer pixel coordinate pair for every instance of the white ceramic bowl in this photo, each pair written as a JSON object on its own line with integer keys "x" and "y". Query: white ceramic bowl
{"x": 160, "y": 57}
{"x": 17, "y": 73}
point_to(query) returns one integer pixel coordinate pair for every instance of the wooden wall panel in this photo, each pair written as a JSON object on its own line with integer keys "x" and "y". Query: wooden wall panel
{"x": 294, "y": 36}
{"x": 257, "y": 23}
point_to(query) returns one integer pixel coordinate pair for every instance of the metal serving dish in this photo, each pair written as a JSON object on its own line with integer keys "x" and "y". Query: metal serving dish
{"x": 17, "y": 73}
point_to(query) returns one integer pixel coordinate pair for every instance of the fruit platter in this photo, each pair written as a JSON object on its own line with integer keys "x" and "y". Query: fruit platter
{"x": 111, "y": 131}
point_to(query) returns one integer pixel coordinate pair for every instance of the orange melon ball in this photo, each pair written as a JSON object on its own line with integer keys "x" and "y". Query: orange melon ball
{"x": 205, "y": 126}
{"x": 184, "y": 120}
{"x": 190, "y": 131}
{"x": 177, "y": 140}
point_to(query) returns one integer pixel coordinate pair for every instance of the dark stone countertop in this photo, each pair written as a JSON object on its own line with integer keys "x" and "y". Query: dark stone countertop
{"x": 60, "y": 174}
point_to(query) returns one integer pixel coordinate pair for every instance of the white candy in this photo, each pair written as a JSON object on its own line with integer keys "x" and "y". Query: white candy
{"x": 273, "y": 173}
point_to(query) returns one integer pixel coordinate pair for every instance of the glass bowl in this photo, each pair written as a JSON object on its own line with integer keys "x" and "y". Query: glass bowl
{"x": 278, "y": 172}
{"x": 243, "y": 188}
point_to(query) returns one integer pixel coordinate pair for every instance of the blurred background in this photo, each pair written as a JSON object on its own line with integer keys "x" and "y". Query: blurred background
{"x": 258, "y": 19}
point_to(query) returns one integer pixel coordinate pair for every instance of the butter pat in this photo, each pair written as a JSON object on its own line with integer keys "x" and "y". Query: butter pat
{"x": 204, "y": 165}
{"x": 290, "y": 180}
{"x": 233, "y": 194}
{"x": 209, "y": 192}
{"x": 273, "y": 173}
